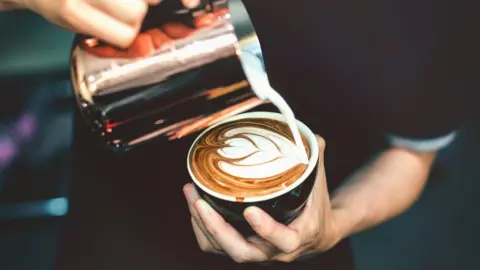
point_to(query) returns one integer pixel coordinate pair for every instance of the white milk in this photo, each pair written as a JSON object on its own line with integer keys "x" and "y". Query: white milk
{"x": 259, "y": 83}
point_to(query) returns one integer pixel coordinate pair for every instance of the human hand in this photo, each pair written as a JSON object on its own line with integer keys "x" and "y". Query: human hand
{"x": 114, "y": 21}
{"x": 314, "y": 231}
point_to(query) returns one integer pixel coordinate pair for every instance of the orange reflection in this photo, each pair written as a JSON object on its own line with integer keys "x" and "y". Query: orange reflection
{"x": 189, "y": 126}
{"x": 222, "y": 91}
{"x": 216, "y": 117}
{"x": 153, "y": 39}
{"x": 208, "y": 94}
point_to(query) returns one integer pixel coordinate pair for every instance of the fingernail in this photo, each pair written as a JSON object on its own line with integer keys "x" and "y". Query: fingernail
{"x": 187, "y": 191}
{"x": 253, "y": 216}
{"x": 204, "y": 209}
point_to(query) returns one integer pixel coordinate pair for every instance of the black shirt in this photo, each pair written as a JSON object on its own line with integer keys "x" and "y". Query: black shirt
{"x": 400, "y": 64}
{"x": 352, "y": 70}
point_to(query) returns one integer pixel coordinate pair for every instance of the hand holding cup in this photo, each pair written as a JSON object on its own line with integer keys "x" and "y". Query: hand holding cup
{"x": 311, "y": 231}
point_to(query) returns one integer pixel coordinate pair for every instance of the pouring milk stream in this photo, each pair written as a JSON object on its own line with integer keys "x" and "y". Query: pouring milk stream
{"x": 259, "y": 83}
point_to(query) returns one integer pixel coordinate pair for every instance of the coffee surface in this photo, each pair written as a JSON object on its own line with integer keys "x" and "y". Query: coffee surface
{"x": 247, "y": 158}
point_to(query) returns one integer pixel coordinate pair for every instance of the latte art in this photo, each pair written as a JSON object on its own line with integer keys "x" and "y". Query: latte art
{"x": 257, "y": 153}
{"x": 250, "y": 157}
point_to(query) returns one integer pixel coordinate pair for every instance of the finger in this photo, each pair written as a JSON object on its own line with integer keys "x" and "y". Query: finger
{"x": 130, "y": 12}
{"x": 318, "y": 203}
{"x": 91, "y": 21}
{"x": 177, "y": 30}
{"x": 192, "y": 196}
{"x": 160, "y": 39}
{"x": 321, "y": 149}
{"x": 107, "y": 52}
{"x": 234, "y": 244}
{"x": 320, "y": 189}
{"x": 203, "y": 242}
{"x": 141, "y": 47}
{"x": 300, "y": 255}
{"x": 307, "y": 224}
{"x": 203, "y": 21}
{"x": 266, "y": 247}
{"x": 279, "y": 235}
{"x": 191, "y": 3}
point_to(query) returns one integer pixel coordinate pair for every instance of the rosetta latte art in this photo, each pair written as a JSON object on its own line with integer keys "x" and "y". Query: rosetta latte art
{"x": 246, "y": 158}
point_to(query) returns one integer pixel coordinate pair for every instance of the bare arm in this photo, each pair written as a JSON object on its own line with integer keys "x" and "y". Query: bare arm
{"x": 386, "y": 187}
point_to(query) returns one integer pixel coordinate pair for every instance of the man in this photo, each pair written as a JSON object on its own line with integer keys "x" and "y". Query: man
{"x": 383, "y": 82}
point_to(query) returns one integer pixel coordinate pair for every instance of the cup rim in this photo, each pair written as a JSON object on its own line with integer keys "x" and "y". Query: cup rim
{"x": 309, "y": 135}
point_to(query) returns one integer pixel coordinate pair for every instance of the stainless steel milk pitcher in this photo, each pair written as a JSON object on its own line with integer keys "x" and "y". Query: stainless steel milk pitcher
{"x": 182, "y": 74}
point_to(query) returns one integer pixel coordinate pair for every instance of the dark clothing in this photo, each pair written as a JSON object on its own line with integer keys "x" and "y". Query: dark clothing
{"x": 402, "y": 66}
{"x": 352, "y": 71}
{"x": 128, "y": 211}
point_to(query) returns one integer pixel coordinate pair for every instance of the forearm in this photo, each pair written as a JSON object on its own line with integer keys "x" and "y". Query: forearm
{"x": 386, "y": 187}
{"x": 7, "y": 5}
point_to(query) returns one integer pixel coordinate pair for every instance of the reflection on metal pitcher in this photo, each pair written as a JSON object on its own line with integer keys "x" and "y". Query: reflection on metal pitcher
{"x": 179, "y": 76}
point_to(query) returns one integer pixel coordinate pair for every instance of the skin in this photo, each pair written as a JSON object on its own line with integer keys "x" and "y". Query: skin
{"x": 384, "y": 188}
{"x": 115, "y": 22}
{"x": 146, "y": 43}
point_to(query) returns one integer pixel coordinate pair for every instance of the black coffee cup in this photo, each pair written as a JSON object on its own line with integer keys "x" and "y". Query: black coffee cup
{"x": 284, "y": 205}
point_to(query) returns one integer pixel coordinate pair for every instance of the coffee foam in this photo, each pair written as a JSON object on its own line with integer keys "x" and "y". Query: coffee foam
{"x": 250, "y": 157}
{"x": 257, "y": 153}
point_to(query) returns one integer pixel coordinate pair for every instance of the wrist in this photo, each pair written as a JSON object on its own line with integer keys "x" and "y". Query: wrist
{"x": 346, "y": 222}
{"x": 337, "y": 229}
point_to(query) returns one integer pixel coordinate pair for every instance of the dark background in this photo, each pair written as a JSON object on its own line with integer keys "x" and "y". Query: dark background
{"x": 36, "y": 109}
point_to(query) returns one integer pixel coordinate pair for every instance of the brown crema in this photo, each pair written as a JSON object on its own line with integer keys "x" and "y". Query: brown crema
{"x": 205, "y": 159}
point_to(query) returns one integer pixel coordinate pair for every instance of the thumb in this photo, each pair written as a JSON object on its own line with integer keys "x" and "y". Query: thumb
{"x": 321, "y": 180}
{"x": 321, "y": 150}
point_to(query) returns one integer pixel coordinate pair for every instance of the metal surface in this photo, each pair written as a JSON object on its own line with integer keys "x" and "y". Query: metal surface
{"x": 181, "y": 75}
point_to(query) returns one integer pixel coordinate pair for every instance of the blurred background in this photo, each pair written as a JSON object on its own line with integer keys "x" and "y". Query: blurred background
{"x": 36, "y": 108}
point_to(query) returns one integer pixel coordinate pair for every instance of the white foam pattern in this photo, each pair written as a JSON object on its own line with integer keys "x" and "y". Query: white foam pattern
{"x": 256, "y": 153}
